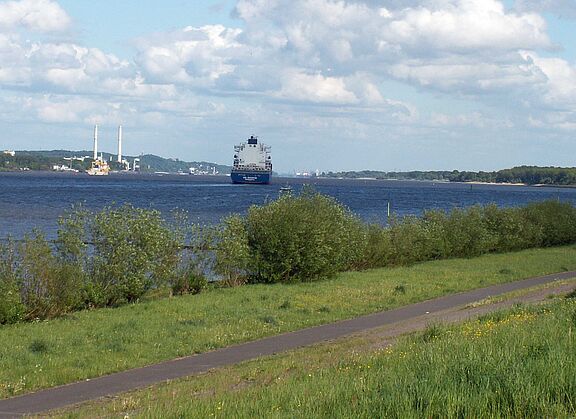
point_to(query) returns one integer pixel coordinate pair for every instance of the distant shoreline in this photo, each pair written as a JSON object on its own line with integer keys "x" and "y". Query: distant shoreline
{"x": 275, "y": 179}
{"x": 475, "y": 182}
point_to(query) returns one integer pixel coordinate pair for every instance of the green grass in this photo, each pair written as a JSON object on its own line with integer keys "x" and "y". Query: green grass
{"x": 92, "y": 343}
{"x": 519, "y": 362}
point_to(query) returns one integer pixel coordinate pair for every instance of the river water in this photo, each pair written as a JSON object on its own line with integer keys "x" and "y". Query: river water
{"x": 36, "y": 199}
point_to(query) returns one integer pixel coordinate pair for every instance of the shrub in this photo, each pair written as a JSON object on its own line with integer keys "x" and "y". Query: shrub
{"x": 407, "y": 241}
{"x": 556, "y": 222}
{"x": 377, "y": 247}
{"x": 232, "y": 252}
{"x": 48, "y": 286}
{"x": 301, "y": 238}
{"x": 189, "y": 282}
{"x": 434, "y": 225}
{"x": 11, "y": 308}
{"x": 466, "y": 233}
{"x": 134, "y": 250}
{"x": 72, "y": 236}
{"x": 510, "y": 229}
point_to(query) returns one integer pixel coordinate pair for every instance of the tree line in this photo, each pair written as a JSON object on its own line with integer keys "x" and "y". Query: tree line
{"x": 530, "y": 175}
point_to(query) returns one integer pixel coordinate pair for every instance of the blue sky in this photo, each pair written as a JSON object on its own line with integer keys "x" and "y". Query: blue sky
{"x": 329, "y": 84}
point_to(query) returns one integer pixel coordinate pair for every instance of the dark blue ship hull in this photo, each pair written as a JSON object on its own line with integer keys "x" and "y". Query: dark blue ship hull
{"x": 250, "y": 177}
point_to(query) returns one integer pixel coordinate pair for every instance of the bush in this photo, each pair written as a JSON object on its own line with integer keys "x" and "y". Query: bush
{"x": 466, "y": 233}
{"x": 554, "y": 221}
{"x": 11, "y": 308}
{"x": 189, "y": 282}
{"x": 48, "y": 286}
{"x": 407, "y": 240}
{"x": 134, "y": 250}
{"x": 302, "y": 238}
{"x": 232, "y": 251}
{"x": 510, "y": 229}
{"x": 378, "y": 248}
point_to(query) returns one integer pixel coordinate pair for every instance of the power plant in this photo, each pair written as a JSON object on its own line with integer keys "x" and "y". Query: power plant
{"x": 99, "y": 165}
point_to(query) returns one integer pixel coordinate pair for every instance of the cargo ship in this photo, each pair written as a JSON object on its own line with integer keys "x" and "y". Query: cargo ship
{"x": 252, "y": 162}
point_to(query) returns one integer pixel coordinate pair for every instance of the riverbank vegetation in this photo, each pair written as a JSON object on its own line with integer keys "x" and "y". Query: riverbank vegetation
{"x": 95, "y": 342}
{"x": 529, "y": 175}
{"x": 123, "y": 254}
{"x": 518, "y": 362}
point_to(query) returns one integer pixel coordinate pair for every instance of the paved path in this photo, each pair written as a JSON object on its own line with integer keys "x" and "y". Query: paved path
{"x": 58, "y": 397}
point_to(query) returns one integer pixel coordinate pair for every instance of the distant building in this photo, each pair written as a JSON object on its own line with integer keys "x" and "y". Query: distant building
{"x": 76, "y": 158}
{"x": 9, "y": 152}
{"x": 63, "y": 168}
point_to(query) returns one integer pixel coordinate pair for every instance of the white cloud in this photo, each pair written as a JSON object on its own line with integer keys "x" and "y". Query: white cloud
{"x": 455, "y": 74}
{"x": 465, "y": 26}
{"x": 36, "y": 15}
{"x": 469, "y": 120}
{"x": 196, "y": 56}
{"x": 315, "y": 88}
{"x": 560, "y": 85}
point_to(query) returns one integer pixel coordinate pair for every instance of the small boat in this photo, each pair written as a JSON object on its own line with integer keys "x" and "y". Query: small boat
{"x": 285, "y": 189}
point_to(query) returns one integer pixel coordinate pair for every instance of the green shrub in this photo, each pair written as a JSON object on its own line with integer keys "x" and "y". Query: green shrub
{"x": 407, "y": 241}
{"x": 302, "y": 238}
{"x": 466, "y": 233}
{"x": 377, "y": 247}
{"x": 11, "y": 308}
{"x": 189, "y": 282}
{"x": 232, "y": 251}
{"x": 48, "y": 286}
{"x": 510, "y": 228}
{"x": 71, "y": 242}
{"x": 555, "y": 222}
{"x": 134, "y": 250}
{"x": 434, "y": 225}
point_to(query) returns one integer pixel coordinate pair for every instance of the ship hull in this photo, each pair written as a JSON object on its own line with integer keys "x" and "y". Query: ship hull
{"x": 246, "y": 176}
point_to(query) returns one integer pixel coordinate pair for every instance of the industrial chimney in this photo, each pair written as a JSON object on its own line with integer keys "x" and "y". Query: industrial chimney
{"x": 120, "y": 144}
{"x": 96, "y": 142}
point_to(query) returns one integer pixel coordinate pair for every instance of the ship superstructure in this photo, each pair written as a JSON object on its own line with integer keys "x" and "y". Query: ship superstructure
{"x": 252, "y": 162}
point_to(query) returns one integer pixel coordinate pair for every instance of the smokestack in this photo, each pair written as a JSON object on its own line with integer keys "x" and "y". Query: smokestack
{"x": 120, "y": 144}
{"x": 95, "y": 142}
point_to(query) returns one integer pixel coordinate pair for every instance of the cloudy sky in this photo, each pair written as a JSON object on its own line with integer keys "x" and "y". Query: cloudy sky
{"x": 329, "y": 84}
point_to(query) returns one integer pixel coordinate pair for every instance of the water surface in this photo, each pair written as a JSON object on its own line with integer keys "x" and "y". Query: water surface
{"x": 29, "y": 200}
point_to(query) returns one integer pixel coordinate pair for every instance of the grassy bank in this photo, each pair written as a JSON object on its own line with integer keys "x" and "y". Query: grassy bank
{"x": 515, "y": 363}
{"x": 91, "y": 343}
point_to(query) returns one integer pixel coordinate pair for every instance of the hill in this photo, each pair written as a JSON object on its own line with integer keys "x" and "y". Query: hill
{"x": 47, "y": 159}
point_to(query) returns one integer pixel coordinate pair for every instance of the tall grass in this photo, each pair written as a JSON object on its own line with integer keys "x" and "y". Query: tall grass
{"x": 518, "y": 363}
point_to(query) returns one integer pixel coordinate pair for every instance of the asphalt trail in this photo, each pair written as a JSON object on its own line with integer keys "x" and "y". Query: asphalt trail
{"x": 108, "y": 385}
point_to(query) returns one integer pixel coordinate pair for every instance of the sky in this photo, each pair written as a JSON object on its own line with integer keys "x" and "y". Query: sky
{"x": 329, "y": 84}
